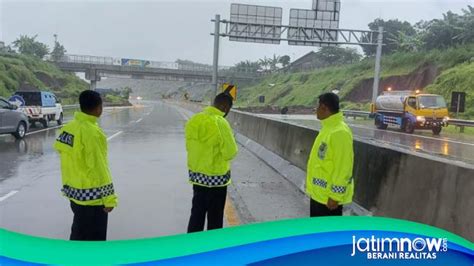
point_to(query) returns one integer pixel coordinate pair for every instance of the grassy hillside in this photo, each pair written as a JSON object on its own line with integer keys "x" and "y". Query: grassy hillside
{"x": 458, "y": 78}
{"x": 455, "y": 68}
{"x": 17, "y": 69}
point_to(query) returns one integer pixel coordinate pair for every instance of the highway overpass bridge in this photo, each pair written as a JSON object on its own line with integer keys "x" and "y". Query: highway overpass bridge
{"x": 96, "y": 67}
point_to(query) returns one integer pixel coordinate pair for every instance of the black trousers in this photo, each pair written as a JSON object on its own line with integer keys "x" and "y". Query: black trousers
{"x": 317, "y": 210}
{"x": 210, "y": 201}
{"x": 89, "y": 223}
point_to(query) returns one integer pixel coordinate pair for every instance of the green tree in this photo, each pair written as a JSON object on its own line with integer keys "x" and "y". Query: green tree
{"x": 407, "y": 43}
{"x": 442, "y": 33}
{"x": 246, "y": 66}
{"x": 392, "y": 29}
{"x": 58, "y": 52}
{"x": 468, "y": 20}
{"x": 29, "y": 46}
{"x": 265, "y": 63}
{"x": 274, "y": 63}
{"x": 285, "y": 60}
{"x": 453, "y": 29}
{"x": 333, "y": 55}
{"x": 125, "y": 92}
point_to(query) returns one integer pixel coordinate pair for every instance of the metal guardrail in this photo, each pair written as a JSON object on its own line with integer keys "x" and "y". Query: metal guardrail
{"x": 366, "y": 114}
{"x": 356, "y": 113}
{"x": 461, "y": 123}
{"x": 69, "y": 107}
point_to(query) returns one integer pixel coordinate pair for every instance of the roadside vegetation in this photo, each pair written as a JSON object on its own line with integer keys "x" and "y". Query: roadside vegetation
{"x": 29, "y": 62}
{"x": 19, "y": 69}
{"x": 445, "y": 45}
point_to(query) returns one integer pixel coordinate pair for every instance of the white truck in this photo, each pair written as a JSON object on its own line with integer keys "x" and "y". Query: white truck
{"x": 39, "y": 106}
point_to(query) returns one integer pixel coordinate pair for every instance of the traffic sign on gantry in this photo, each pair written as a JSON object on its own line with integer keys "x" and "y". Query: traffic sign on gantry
{"x": 251, "y": 23}
{"x": 307, "y": 27}
{"x": 327, "y": 5}
{"x": 316, "y": 27}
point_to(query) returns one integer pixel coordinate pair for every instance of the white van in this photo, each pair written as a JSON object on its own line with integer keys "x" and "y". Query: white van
{"x": 39, "y": 106}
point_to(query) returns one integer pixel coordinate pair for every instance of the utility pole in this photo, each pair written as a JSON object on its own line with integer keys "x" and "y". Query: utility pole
{"x": 215, "y": 73}
{"x": 378, "y": 58}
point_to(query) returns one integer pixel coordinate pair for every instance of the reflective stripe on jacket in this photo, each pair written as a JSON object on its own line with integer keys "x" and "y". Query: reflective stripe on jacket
{"x": 329, "y": 170}
{"x": 86, "y": 178}
{"x": 210, "y": 146}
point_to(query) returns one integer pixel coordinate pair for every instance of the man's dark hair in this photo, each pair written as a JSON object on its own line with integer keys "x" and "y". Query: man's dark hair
{"x": 89, "y": 100}
{"x": 331, "y": 101}
{"x": 223, "y": 98}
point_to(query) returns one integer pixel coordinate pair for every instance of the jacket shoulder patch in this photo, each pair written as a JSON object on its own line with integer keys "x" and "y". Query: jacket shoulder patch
{"x": 322, "y": 150}
{"x": 66, "y": 138}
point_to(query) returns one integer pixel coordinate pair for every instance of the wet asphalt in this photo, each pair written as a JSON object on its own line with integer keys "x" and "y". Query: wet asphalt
{"x": 454, "y": 147}
{"x": 148, "y": 162}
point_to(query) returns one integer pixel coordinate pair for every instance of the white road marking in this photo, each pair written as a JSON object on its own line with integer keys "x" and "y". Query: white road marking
{"x": 15, "y": 191}
{"x": 114, "y": 135}
{"x": 11, "y": 193}
{"x": 43, "y": 130}
{"x": 65, "y": 122}
{"x": 139, "y": 120}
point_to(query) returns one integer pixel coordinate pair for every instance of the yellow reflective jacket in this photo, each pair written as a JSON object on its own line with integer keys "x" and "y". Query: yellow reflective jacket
{"x": 86, "y": 178}
{"x": 329, "y": 170}
{"x": 211, "y": 146}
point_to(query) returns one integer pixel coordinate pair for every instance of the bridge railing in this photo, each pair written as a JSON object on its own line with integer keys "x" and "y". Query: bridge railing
{"x": 87, "y": 59}
{"x": 103, "y": 60}
{"x": 199, "y": 68}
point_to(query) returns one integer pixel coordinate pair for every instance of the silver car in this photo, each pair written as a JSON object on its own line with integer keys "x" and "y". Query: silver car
{"x": 12, "y": 121}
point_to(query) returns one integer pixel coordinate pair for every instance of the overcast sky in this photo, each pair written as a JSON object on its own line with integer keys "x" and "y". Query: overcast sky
{"x": 168, "y": 30}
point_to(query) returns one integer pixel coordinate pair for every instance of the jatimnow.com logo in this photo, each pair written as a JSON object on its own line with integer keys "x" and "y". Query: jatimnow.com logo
{"x": 420, "y": 248}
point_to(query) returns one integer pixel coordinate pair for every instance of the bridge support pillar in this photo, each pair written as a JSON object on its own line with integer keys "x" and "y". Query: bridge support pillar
{"x": 93, "y": 85}
{"x": 93, "y": 76}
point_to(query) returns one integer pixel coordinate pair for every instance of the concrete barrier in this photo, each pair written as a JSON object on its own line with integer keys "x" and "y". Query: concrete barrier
{"x": 390, "y": 181}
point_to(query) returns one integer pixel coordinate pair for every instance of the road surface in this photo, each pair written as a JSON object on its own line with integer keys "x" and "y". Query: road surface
{"x": 148, "y": 163}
